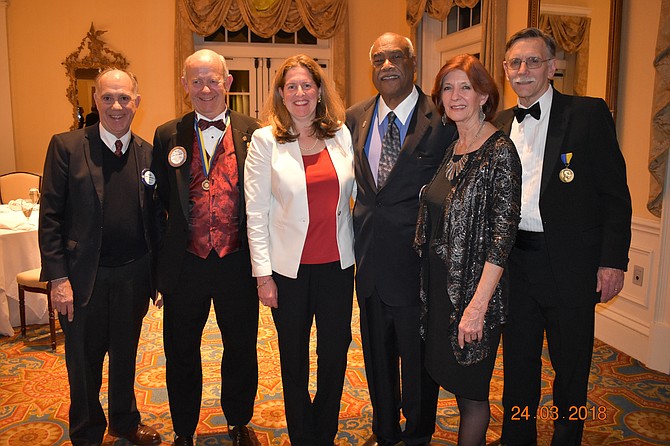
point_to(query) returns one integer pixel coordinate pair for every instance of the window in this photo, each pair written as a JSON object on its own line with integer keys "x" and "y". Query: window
{"x": 245, "y": 35}
{"x": 463, "y": 18}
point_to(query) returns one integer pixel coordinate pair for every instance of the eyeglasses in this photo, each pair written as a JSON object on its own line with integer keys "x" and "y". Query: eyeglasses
{"x": 531, "y": 63}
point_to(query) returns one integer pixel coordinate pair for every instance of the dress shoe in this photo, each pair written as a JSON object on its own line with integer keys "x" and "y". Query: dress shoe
{"x": 142, "y": 435}
{"x": 182, "y": 440}
{"x": 240, "y": 436}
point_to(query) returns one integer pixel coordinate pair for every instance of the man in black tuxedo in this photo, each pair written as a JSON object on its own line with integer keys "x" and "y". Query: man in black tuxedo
{"x": 385, "y": 214}
{"x": 572, "y": 247}
{"x": 204, "y": 255}
{"x": 96, "y": 239}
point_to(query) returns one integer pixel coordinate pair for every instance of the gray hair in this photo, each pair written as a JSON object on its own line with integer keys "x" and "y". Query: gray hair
{"x": 533, "y": 33}
{"x": 408, "y": 42}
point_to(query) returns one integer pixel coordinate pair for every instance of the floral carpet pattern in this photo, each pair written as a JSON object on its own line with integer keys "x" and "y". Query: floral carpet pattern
{"x": 628, "y": 403}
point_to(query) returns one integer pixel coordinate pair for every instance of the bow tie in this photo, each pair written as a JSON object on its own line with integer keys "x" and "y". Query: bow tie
{"x": 521, "y": 113}
{"x": 204, "y": 124}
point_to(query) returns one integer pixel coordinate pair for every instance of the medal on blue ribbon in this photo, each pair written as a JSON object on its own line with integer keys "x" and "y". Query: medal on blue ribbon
{"x": 566, "y": 174}
{"x": 204, "y": 156}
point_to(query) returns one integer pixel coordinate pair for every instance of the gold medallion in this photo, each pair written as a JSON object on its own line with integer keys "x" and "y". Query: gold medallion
{"x": 205, "y": 185}
{"x": 566, "y": 175}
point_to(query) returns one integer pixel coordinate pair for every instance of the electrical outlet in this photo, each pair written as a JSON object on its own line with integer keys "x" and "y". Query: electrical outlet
{"x": 638, "y": 275}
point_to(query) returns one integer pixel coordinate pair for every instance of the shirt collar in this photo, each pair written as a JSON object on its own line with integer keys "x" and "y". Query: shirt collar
{"x": 109, "y": 139}
{"x": 403, "y": 110}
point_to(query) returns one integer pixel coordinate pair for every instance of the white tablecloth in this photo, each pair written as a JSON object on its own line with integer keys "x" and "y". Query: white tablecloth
{"x": 19, "y": 251}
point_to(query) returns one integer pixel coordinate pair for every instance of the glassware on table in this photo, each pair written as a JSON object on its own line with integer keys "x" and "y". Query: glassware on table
{"x": 27, "y": 209}
{"x": 34, "y": 194}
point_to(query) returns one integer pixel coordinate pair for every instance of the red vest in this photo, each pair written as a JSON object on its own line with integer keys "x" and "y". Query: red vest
{"x": 214, "y": 213}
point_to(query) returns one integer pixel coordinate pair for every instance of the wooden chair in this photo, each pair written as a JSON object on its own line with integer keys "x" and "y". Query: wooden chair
{"x": 15, "y": 185}
{"x": 30, "y": 281}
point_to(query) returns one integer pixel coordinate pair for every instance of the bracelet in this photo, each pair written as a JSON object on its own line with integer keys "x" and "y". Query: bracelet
{"x": 264, "y": 283}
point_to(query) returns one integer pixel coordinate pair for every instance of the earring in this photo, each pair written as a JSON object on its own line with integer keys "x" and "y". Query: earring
{"x": 481, "y": 114}
{"x": 319, "y": 100}
{"x": 444, "y": 119}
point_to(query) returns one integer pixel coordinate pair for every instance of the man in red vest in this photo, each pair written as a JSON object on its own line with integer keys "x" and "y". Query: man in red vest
{"x": 204, "y": 255}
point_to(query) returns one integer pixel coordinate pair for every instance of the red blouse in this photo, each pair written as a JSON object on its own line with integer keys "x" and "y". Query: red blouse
{"x": 323, "y": 192}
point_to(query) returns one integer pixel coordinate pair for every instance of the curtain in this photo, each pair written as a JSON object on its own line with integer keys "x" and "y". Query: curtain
{"x": 324, "y": 19}
{"x": 437, "y": 9}
{"x": 494, "y": 28}
{"x": 660, "y": 122}
{"x": 572, "y": 34}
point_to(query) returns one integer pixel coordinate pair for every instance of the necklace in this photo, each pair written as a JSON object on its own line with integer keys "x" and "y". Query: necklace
{"x": 454, "y": 168}
{"x": 311, "y": 148}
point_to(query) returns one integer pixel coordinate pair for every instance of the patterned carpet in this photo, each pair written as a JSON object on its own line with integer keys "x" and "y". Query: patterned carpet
{"x": 629, "y": 404}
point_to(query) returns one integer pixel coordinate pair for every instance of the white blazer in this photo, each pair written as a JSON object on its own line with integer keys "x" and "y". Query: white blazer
{"x": 275, "y": 191}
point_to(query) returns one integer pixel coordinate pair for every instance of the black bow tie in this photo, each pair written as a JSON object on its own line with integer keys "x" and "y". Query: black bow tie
{"x": 521, "y": 113}
{"x": 204, "y": 124}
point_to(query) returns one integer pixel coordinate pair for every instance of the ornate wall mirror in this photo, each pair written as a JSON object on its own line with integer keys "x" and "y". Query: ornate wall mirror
{"x": 605, "y": 31}
{"x": 82, "y": 66}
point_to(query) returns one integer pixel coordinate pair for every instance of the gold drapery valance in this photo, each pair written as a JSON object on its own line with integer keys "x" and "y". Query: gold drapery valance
{"x": 437, "y": 9}
{"x": 572, "y": 34}
{"x": 324, "y": 19}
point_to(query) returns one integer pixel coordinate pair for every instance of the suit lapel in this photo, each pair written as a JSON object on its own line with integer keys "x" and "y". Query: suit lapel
{"x": 557, "y": 129}
{"x": 93, "y": 153}
{"x": 418, "y": 125}
{"x": 142, "y": 161}
{"x": 364, "y": 126}
{"x": 241, "y": 140}
{"x": 184, "y": 138}
{"x": 504, "y": 121}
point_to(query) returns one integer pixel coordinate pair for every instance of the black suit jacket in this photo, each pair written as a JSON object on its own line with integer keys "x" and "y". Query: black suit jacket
{"x": 70, "y": 228}
{"x": 172, "y": 187}
{"x": 385, "y": 219}
{"x": 587, "y": 222}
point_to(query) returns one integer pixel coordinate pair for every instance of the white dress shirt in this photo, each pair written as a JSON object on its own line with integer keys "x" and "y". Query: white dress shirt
{"x": 110, "y": 140}
{"x": 530, "y": 137}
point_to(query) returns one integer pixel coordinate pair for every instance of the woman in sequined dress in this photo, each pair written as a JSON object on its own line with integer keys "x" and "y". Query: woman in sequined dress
{"x": 467, "y": 225}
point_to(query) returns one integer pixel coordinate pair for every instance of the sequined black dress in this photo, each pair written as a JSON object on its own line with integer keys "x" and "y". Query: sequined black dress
{"x": 460, "y": 228}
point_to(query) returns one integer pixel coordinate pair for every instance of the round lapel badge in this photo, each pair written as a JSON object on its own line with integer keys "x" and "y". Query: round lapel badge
{"x": 177, "y": 156}
{"x": 148, "y": 178}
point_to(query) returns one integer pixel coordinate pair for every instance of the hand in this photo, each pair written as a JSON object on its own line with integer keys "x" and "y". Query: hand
{"x": 471, "y": 327}
{"x": 62, "y": 297}
{"x": 610, "y": 283}
{"x": 267, "y": 291}
{"x": 159, "y": 300}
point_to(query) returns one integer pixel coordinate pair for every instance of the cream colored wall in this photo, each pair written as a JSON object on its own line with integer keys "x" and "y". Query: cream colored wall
{"x": 142, "y": 30}
{"x": 368, "y": 20}
{"x": 145, "y": 36}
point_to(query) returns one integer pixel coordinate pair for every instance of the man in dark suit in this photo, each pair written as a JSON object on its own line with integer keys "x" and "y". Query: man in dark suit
{"x": 385, "y": 214}
{"x": 96, "y": 239}
{"x": 572, "y": 247}
{"x": 204, "y": 255}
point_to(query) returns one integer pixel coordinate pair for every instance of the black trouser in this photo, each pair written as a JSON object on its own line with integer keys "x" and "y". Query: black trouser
{"x": 323, "y": 293}
{"x": 390, "y": 336}
{"x": 110, "y": 323}
{"x": 535, "y": 308}
{"x": 228, "y": 282}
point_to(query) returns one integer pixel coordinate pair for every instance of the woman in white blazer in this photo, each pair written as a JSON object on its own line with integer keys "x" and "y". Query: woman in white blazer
{"x": 299, "y": 185}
